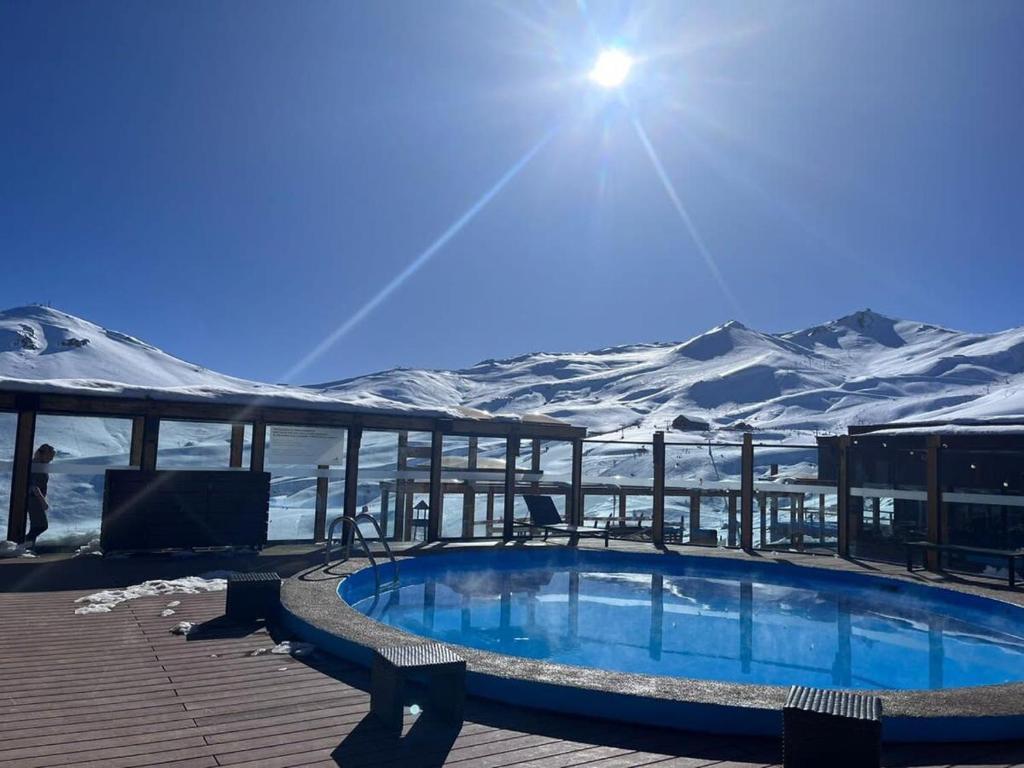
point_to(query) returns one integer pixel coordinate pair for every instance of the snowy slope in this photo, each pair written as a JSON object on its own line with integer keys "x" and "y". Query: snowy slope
{"x": 858, "y": 369}
{"x": 862, "y": 368}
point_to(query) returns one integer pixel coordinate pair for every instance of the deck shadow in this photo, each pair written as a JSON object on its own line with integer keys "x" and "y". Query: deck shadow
{"x": 426, "y": 743}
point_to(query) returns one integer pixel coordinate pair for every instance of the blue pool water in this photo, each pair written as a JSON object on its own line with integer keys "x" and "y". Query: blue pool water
{"x": 700, "y": 617}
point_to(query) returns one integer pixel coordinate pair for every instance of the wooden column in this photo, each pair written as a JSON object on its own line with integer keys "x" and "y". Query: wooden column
{"x": 622, "y": 507}
{"x": 658, "y": 512}
{"x": 237, "y": 445}
{"x": 732, "y": 519}
{"x": 762, "y": 508}
{"x": 490, "y": 511}
{"x": 403, "y": 494}
{"x": 24, "y": 439}
{"x": 747, "y": 493}
{"x": 135, "y": 452}
{"x": 469, "y": 496}
{"x": 694, "y": 514}
{"x": 575, "y": 512}
{"x": 511, "y": 451}
{"x": 821, "y": 519}
{"x": 436, "y": 490}
{"x": 843, "y": 499}
{"x": 385, "y": 500}
{"x": 258, "y": 452}
{"x": 150, "y": 442}
{"x": 320, "y": 510}
{"x": 933, "y": 487}
{"x": 354, "y": 439}
{"x": 535, "y": 460}
{"x": 876, "y": 514}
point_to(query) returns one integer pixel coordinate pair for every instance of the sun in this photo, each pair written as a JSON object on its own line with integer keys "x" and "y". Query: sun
{"x": 611, "y": 68}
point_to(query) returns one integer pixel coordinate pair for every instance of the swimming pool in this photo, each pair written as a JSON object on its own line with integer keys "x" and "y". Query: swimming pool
{"x": 704, "y": 618}
{"x": 704, "y": 643}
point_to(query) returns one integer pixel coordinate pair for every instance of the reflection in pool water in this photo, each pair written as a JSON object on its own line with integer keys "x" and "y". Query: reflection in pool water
{"x": 706, "y": 620}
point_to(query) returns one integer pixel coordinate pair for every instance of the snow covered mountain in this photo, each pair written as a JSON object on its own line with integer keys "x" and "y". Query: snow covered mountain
{"x": 862, "y": 368}
{"x": 858, "y": 369}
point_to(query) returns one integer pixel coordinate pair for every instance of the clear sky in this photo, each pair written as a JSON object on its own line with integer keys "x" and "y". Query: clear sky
{"x": 234, "y": 181}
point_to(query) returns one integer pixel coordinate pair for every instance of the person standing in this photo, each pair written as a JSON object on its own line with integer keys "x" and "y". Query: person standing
{"x": 37, "y": 502}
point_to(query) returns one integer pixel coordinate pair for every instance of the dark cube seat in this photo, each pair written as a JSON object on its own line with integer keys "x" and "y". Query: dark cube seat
{"x": 439, "y": 669}
{"x": 253, "y": 596}
{"x": 840, "y": 729}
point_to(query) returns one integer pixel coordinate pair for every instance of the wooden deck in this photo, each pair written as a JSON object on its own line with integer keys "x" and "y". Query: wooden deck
{"x": 117, "y": 689}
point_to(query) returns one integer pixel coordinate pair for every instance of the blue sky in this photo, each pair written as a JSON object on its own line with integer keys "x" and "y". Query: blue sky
{"x": 234, "y": 181}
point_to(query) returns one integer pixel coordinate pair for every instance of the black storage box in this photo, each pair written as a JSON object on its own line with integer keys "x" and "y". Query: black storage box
{"x": 181, "y": 509}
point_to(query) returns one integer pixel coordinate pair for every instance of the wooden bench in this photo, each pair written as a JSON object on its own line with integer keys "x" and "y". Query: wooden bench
{"x": 253, "y": 596}
{"x": 838, "y": 729}
{"x": 1010, "y": 555}
{"x": 440, "y": 670}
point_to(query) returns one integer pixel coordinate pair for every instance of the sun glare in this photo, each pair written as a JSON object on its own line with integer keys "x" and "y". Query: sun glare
{"x": 611, "y": 68}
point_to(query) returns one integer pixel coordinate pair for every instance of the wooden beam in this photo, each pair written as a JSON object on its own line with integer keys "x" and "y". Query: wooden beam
{"x": 320, "y": 510}
{"x": 658, "y": 511}
{"x": 747, "y": 493}
{"x": 237, "y": 445}
{"x": 24, "y": 439}
{"x": 843, "y": 499}
{"x": 353, "y": 439}
{"x": 511, "y": 451}
{"x": 150, "y": 443}
{"x": 732, "y": 519}
{"x": 436, "y": 490}
{"x": 694, "y": 513}
{"x": 258, "y": 451}
{"x": 469, "y": 495}
{"x": 575, "y": 512}
{"x": 933, "y": 487}
{"x": 135, "y": 451}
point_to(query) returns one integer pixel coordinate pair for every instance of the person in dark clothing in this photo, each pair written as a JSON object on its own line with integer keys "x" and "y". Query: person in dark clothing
{"x": 37, "y": 488}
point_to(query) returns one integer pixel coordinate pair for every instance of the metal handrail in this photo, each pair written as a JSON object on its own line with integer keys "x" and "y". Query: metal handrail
{"x": 347, "y": 543}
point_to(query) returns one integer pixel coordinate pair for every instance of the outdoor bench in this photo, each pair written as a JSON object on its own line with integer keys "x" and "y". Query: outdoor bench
{"x": 440, "y": 671}
{"x": 1010, "y": 555}
{"x": 838, "y": 729}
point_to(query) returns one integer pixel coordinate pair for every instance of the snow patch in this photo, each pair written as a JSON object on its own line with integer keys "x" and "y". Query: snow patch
{"x": 92, "y": 547}
{"x": 11, "y": 549}
{"x": 105, "y": 601}
{"x": 182, "y": 628}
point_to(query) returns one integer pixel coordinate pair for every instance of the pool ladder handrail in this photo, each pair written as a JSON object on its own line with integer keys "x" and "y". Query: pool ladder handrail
{"x": 347, "y": 544}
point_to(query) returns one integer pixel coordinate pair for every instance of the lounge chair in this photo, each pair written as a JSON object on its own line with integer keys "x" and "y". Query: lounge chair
{"x": 544, "y": 516}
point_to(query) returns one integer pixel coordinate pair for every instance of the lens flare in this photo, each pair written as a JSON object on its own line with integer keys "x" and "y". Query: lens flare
{"x": 611, "y": 68}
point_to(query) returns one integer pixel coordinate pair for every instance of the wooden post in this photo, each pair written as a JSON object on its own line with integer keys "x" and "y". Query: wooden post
{"x": 490, "y": 511}
{"x": 320, "y": 510}
{"x": 622, "y": 507}
{"x": 511, "y": 450}
{"x": 535, "y": 460}
{"x": 403, "y": 494}
{"x": 747, "y": 493}
{"x": 354, "y": 438}
{"x": 436, "y": 490}
{"x": 821, "y": 519}
{"x": 258, "y": 452}
{"x": 694, "y": 514}
{"x": 24, "y": 439}
{"x": 876, "y": 514}
{"x": 933, "y": 486}
{"x": 843, "y": 499}
{"x": 658, "y": 513}
{"x": 135, "y": 451}
{"x": 576, "y": 508}
{"x": 150, "y": 442}
{"x": 237, "y": 445}
{"x": 732, "y": 519}
{"x": 762, "y": 508}
{"x": 469, "y": 496}
{"x": 385, "y": 501}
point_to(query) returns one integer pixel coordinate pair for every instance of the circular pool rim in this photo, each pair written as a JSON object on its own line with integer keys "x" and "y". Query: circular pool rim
{"x": 313, "y": 609}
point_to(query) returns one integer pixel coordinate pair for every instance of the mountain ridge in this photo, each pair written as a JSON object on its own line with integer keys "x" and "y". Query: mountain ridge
{"x": 863, "y": 366}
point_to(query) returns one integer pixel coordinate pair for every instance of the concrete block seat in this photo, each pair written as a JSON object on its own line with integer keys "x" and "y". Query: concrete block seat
{"x": 440, "y": 670}
{"x": 839, "y": 729}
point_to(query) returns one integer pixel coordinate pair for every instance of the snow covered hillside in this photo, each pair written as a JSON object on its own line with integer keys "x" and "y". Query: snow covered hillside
{"x": 862, "y": 368}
